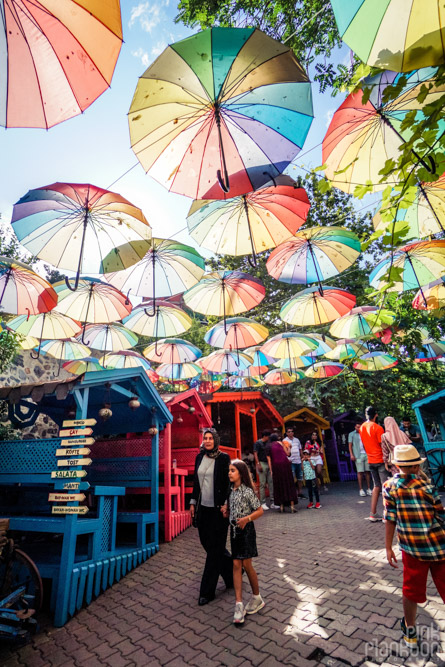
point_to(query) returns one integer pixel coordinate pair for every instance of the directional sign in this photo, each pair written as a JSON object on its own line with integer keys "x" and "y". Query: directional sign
{"x": 73, "y": 423}
{"x": 60, "y": 509}
{"x": 71, "y": 486}
{"x": 77, "y": 442}
{"x": 82, "y": 451}
{"x": 59, "y": 474}
{"x": 65, "y": 497}
{"x": 73, "y": 432}
{"x": 74, "y": 462}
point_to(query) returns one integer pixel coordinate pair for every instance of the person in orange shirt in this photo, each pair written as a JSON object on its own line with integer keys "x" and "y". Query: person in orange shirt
{"x": 371, "y": 435}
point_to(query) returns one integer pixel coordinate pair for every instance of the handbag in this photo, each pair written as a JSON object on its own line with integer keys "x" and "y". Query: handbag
{"x": 196, "y": 514}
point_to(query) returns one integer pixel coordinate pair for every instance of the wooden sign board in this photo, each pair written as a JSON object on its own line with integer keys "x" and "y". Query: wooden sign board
{"x": 71, "y": 486}
{"x": 74, "y": 462}
{"x": 73, "y": 432}
{"x": 77, "y": 442}
{"x": 74, "y": 423}
{"x": 82, "y": 451}
{"x": 60, "y": 509}
{"x": 65, "y": 497}
{"x": 60, "y": 474}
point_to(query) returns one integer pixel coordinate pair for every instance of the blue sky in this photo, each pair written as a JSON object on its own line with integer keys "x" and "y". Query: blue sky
{"x": 95, "y": 147}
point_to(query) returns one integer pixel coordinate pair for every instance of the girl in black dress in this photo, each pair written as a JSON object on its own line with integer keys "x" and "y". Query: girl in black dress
{"x": 244, "y": 508}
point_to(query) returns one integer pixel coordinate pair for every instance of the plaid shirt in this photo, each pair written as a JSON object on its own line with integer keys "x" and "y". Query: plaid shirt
{"x": 414, "y": 505}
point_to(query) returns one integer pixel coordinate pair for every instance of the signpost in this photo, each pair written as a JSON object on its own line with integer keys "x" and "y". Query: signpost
{"x": 73, "y": 432}
{"x": 77, "y": 442}
{"x": 71, "y": 486}
{"x": 60, "y": 474}
{"x": 65, "y": 497}
{"x": 74, "y": 423}
{"x": 82, "y": 451}
{"x": 62, "y": 509}
{"x": 74, "y": 462}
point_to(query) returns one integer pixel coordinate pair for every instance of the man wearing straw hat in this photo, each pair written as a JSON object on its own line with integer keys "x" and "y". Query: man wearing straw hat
{"x": 412, "y": 505}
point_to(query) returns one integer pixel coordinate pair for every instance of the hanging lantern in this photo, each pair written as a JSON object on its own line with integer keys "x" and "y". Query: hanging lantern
{"x": 153, "y": 430}
{"x": 179, "y": 419}
{"x": 252, "y": 411}
{"x": 105, "y": 413}
{"x": 134, "y": 403}
{"x": 191, "y": 409}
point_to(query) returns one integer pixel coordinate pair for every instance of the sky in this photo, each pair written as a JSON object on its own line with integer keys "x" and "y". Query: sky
{"x": 95, "y": 146}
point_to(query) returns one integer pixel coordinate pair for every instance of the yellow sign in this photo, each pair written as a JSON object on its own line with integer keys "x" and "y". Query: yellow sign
{"x": 60, "y": 474}
{"x": 60, "y": 509}
{"x": 65, "y": 497}
{"x": 74, "y": 462}
{"x": 82, "y": 451}
{"x": 78, "y": 422}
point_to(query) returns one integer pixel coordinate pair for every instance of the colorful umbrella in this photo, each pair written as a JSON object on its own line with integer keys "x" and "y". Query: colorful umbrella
{"x": 22, "y": 291}
{"x": 292, "y": 363}
{"x": 225, "y": 361}
{"x": 314, "y": 255}
{"x": 67, "y": 350}
{"x": 124, "y": 359}
{"x": 79, "y": 227}
{"x": 237, "y": 333}
{"x": 251, "y": 223}
{"x": 288, "y": 345}
{"x": 375, "y": 361}
{"x": 282, "y": 377}
{"x": 220, "y": 112}
{"x": 431, "y": 297}
{"x": 311, "y": 307}
{"x": 363, "y": 136}
{"x": 172, "y": 351}
{"x": 169, "y": 320}
{"x": 410, "y": 267}
{"x": 179, "y": 371}
{"x": 27, "y": 342}
{"x": 431, "y": 349}
{"x": 45, "y": 326}
{"x": 225, "y": 293}
{"x": 361, "y": 321}
{"x": 323, "y": 370}
{"x": 259, "y": 357}
{"x": 57, "y": 58}
{"x": 245, "y": 382}
{"x": 109, "y": 337}
{"x": 346, "y": 349}
{"x": 81, "y": 366}
{"x": 400, "y": 36}
{"x": 323, "y": 342}
{"x": 167, "y": 268}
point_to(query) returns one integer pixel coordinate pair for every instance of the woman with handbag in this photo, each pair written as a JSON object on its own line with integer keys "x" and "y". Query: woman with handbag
{"x": 208, "y": 505}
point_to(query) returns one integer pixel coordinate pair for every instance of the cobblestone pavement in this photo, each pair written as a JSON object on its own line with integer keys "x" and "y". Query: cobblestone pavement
{"x": 331, "y": 599}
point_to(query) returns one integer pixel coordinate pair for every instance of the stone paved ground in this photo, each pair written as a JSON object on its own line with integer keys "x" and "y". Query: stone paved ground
{"x": 331, "y": 600}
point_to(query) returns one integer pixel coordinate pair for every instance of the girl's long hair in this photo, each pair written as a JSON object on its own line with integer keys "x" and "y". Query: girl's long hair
{"x": 246, "y": 477}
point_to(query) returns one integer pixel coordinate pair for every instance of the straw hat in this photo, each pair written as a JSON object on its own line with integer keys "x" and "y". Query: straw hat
{"x": 406, "y": 455}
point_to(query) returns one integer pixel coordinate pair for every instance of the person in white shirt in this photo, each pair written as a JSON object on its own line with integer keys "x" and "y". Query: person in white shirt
{"x": 360, "y": 458}
{"x": 294, "y": 455}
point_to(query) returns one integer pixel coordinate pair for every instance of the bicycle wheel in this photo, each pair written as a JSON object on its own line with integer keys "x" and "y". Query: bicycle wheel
{"x": 20, "y": 570}
{"x": 436, "y": 462}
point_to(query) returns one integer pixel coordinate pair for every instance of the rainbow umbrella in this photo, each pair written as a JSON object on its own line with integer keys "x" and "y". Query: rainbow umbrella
{"x": 400, "y": 36}
{"x": 311, "y": 307}
{"x": 225, "y": 293}
{"x": 324, "y": 343}
{"x": 172, "y": 351}
{"x": 282, "y": 377}
{"x": 183, "y": 371}
{"x": 124, "y": 359}
{"x": 109, "y": 337}
{"x": 431, "y": 297}
{"x": 22, "y": 291}
{"x": 167, "y": 268}
{"x": 375, "y": 361}
{"x": 225, "y": 361}
{"x": 362, "y": 321}
{"x": 251, "y": 223}
{"x": 237, "y": 333}
{"x": 363, "y": 136}
{"x": 324, "y": 369}
{"x": 288, "y": 345}
{"x": 27, "y": 342}
{"x": 260, "y": 359}
{"x": 57, "y": 58}
{"x": 431, "y": 349}
{"x": 220, "y": 112}
{"x": 292, "y": 363}
{"x": 169, "y": 319}
{"x": 314, "y": 255}
{"x": 45, "y": 326}
{"x": 245, "y": 382}
{"x": 68, "y": 349}
{"x": 346, "y": 349}
{"x": 410, "y": 267}
{"x": 79, "y": 227}
{"x": 81, "y": 366}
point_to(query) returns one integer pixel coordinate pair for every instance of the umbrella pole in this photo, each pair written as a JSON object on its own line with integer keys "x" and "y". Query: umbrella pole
{"x": 86, "y": 316}
{"x": 417, "y": 280}
{"x": 84, "y": 231}
{"x": 431, "y": 167}
{"x": 40, "y": 340}
{"x": 156, "y": 332}
{"x": 224, "y": 184}
{"x": 315, "y": 266}
{"x": 316, "y": 308}
{"x": 224, "y": 305}
{"x": 254, "y": 262}
{"x": 153, "y": 259}
{"x": 423, "y": 191}
{"x": 5, "y": 285}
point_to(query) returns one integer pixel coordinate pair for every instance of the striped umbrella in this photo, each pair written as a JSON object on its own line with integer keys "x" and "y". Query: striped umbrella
{"x": 245, "y": 382}
{"x": 431, "y": 297}
{"x": 238, "y": 332}
{"x": 282, "y": 377}
{"x": 169, "y": 319}
{"x": 292, "y": 363}
{"x": 288, "y": 345}
{"x": 361, "y": 321}
{"x": 260, "y": 359}
{"x": 65, "y": 350}
{"x": 125, "y": 359}
{"x": 225, "y": 361}
{"x": 314, "y": 255}
{"x": 178, "y": 371}
{"x": 251, "y": 223}
{"x": 323, "y": 342}
{"x": 172, "y": 351}
{"x": 431, "y": 349}
{"x": 22, "y": 291}
{"x": 375, "y": 361}
{"x": 346, "y": 349}
{"x": 312, "y": 307}
{"x": 27, "y": 342}
{"x": 81, "y": 366}
{"x": 45, "y": 326}
{"x": 109, "y": 337}
{"x": 324, "y": 369}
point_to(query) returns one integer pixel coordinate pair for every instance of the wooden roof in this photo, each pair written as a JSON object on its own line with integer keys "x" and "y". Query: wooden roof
{"x": 306, "y": 415}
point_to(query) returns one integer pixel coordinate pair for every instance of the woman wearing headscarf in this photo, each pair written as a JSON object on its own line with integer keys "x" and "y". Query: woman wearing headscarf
{"x": 285, "y": 492}
{"x": 208, "y": 504}
{"x": 392, "y": 437}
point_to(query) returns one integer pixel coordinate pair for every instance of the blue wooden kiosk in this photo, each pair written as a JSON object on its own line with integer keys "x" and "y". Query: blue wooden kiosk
{"x": 76, "y": 543}
{"x": 430, "y": 412}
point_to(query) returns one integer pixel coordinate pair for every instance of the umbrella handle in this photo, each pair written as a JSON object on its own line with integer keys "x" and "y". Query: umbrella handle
{"x": 76, "y": 282}
{"x": 253, "y": 261}
{"x": 29, "y": 314}
{"x": 222, "y": 184}
{"x": 158, "y": 354}
{"x": 35, "y": 356}
{"x": 431, "y": 168}
{"x": 82, "y": 340}
{"x": 150, "y": 314}
{"x": 267, "y": 173}
{"x": 40, "y": 340}
{"x": 127, "y": 298}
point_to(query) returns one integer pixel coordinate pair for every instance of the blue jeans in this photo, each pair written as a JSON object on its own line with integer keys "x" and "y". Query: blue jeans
{"x": 297, "y": 471}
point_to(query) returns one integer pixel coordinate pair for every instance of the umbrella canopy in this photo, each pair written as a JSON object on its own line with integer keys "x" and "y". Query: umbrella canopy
{"x": 258, "y": 356}
{"x": 220, "y": 112}
{"x": 420, "y": 263}
{"x": 375, "y": 361}
{"x": 167, "y": 268}
{"x": 45, "y": 326}
{"x": 324, "y": 369}
{"x": 282, "y": 377}
{"x": 245, "y": 382}
{"x": 290, "y": 344}
{"x": 311, "y": 307}
{"x": 172, "y": 351}
{"x": 22, "y": 291}
{"x": 431, "y": 349}
{"x": 314, "y": 255}
{"x": 27, "y": 342}
{"x": 169, "y": 320}
{"x": 401, "y": 36}
{"x": 68, "y": 349}
{"x": 81, "y": 366}
{"x": 125, "y": 359}
{"x": 56, "y": 58}
{"x": 225, "y": 293}
{"x": 238, "y": 332}
{"x": 250, "y": 223}
{"x": 431, "y": 297}
{"x": 109, "y": 337}
{"x": 292, "y": 363}
{"x": 178, "y": 371}
{"x": 324, "y": 343}
{"x": 361, "y": 321}
{"x": 363, "y": 136}
{"x": 79, "y": 227}
{"x": 225, "y": 361}
{"x": 346, "y": 349}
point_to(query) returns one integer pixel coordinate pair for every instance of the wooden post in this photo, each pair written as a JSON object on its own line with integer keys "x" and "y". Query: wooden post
{"x": 155, "y": 478}
{"x": 254, "y": 426}
{"x": 167, "y": 484}
{"x": 237, "y": 431}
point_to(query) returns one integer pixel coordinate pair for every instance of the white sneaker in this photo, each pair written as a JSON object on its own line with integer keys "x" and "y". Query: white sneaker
{"x": 255, "y": 603}
{"x": 264, "y": 506}
{"x": 240, "y": 612}
{"x": 274, "y": 507}
{"x": 369, "y": 492}
{"x": 362, "y": 493}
